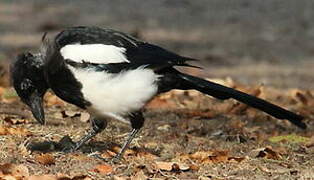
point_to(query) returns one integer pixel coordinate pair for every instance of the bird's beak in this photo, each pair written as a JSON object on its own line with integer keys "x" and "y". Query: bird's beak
{"x": 36, "y": 105}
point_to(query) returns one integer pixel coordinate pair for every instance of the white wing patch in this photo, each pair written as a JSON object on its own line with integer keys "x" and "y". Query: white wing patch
{"x": 119, "y": 93}
{"x": 94, "y": 53}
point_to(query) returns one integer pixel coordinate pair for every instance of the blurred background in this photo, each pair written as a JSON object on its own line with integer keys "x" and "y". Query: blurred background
{"x": 253, "y": 42}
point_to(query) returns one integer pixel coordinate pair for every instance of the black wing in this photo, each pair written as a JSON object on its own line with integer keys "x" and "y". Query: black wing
{"x": 137, "y": 51}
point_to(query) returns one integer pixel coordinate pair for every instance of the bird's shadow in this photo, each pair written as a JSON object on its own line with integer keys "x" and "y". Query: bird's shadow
{"x": 66, "y": 142}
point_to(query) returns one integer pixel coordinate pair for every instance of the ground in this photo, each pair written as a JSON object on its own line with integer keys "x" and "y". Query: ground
{"x": 186, "y": 135}
{"x": 262, "y": 48}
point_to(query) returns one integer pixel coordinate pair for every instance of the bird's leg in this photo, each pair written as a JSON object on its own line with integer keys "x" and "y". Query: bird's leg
{"x": 137, "y": 121}
{"x": 97, "y": 126}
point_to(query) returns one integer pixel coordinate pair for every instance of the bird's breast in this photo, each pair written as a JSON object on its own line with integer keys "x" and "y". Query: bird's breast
{"x": 118, "y": 93}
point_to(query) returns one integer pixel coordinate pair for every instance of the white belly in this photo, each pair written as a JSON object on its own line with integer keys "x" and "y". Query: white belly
{"x": 117, "y": 93}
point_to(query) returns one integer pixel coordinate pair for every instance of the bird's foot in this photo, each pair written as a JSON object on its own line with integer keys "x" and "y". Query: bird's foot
{"x": 67, "y": 145}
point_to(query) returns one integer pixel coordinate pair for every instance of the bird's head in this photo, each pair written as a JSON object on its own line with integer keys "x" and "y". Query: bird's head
{"x": 29, "y": 82}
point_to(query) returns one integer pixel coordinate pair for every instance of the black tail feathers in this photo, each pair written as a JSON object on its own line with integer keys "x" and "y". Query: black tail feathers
{"x": 222, "y": 92}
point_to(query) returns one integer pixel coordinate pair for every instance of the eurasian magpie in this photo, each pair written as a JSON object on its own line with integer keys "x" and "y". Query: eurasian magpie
{"x": 112, "y": 74}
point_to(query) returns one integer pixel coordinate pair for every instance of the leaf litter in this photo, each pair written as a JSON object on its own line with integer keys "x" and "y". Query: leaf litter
{"x": 187, "y": 135}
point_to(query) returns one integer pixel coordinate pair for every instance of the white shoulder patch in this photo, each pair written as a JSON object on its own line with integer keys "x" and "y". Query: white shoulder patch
{"x": 94, "y": 53}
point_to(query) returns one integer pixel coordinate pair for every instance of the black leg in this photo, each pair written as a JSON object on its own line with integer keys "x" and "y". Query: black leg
{"x": 137, "y": 121}
{"x": 97, "y": 126}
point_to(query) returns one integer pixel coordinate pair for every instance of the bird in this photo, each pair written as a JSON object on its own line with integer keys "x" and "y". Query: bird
{"x": 112, "y": 74}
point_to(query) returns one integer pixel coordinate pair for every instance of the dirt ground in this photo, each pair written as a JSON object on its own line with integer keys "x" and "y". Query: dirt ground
{"x": 264, "y": 49}
{"x": 186, "y": 136}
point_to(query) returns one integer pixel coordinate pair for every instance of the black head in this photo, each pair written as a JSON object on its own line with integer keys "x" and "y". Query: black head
{"x": 29, "y": 82}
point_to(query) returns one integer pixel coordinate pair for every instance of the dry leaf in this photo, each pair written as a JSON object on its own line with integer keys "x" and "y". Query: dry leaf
{"x": 84, "y": 117}
{"x": 202, "y": 114}
{"x": 43, "y": 177}
{"x": 301, "y": 97}
{"x": 228, "y": 81}
{"x": 9, "y": 177}
{"x": 15, "y": 121}
{"x": 71, "y": 113}
{"x": 172, "y": 166}
{"x": 120, "y": 177}
{"x": 218, "y": 156}
{"x": 58, "y": 115}
{"x": 201, "y": 155}
{"x": 166, "y": 166}
{"x": 18, "y": 171}
{"x": 45, "y": 159}
{"x": 108, "y": 154}
{"x": 103, "y": 169}
{"x": 2, "y": 90}
{"x": 160, "y": 103}
{"x": 269, "y": 154}
{"x": 52, "y": 100}
{"x": 237, "y": 159}
{"x": 4, "y": 130}
{"x": 182, "y": 166}
{"x": 304, "y": 97}
{"x": 9, "y": 96}
{"x": 194, "y": 167}
{"x": 140, "y": 176}
{"x": 310, "y": 143}
{"x": 211, "y": 157}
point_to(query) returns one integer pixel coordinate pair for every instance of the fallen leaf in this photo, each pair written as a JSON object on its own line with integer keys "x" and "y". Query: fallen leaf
{"x": 108, "y": 154}
{"x": 216, "y": 156}
{"x": 9, "y": 96}
{"x": 84, "y": 117}
{"x": 4, "y": 130}
{"x": 268, "y": 153}
{"x": 103, "y": 169}
{"x": 183, "y": 166}
{"x": 304, "y": 97}
{"x": 52, "y": 100}
{"x": 2, "y": 90}
{"x": 69, "y": 113}
{"x": 18, "y": 171}
{"x": 228, "y": 81}
{"x": 237, "y": 159}
{"x": 146, "y": 155}
{"x": 43, "y": 177}
{"x": 202, "y": 114}
{"x": 159, "y": 103}
{"x": 9, "y": 177}
{"x": 165, "y": 127}
{"x": 45, "y": 159}
{"x": 194, "y": 167}
{"x": 140, "y": 176}
{"x": 310, "y": 143}
{"x": 120, "y": 177}
{"x": 201, "y": 155}
{"x": 58, "y": 115}
{"x": 14, "y": 121}
{"x": 172, "y": 166}
{"x": 166, "y": 166}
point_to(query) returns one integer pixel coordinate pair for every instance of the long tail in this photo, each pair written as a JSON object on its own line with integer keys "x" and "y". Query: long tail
{"x": 222, "y": 92}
